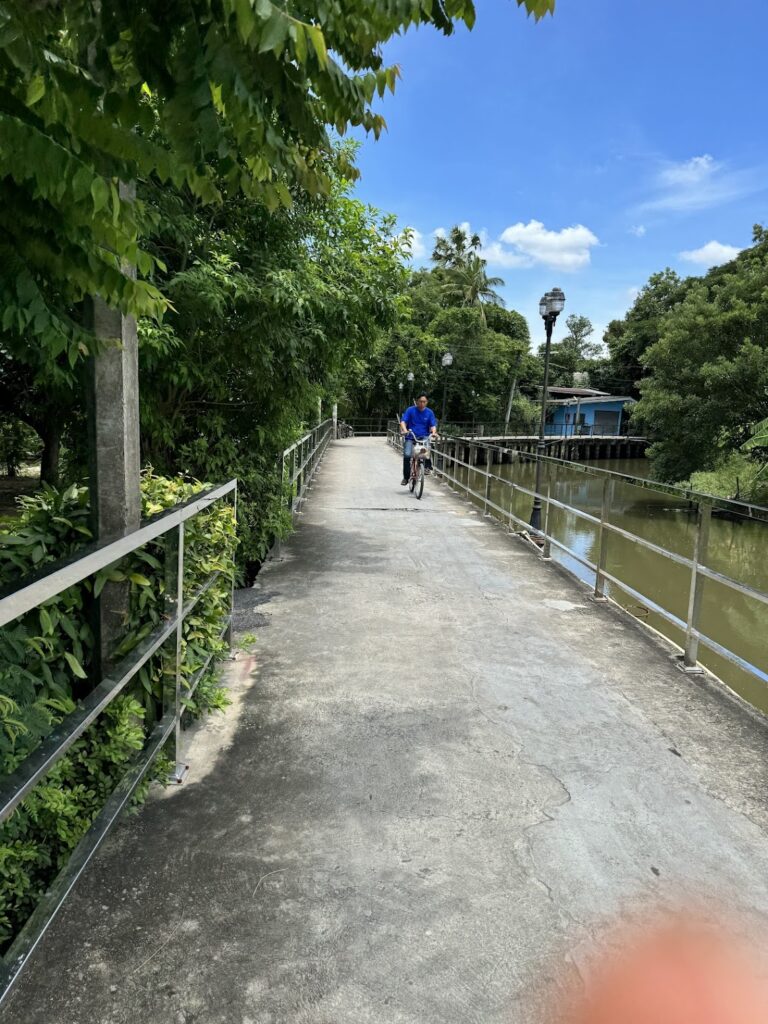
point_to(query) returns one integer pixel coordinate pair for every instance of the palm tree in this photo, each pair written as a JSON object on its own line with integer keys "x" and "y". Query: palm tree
{"x": 470, "y": 285}
{"x": 456, "y": 249}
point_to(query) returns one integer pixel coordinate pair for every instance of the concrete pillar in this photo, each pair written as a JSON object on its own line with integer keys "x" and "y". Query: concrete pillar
{"x": 114, "y": 455}
{"x": 115, "y": 461}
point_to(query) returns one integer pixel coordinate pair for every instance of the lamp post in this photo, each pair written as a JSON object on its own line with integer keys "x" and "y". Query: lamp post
{"x": 410, "y": 386}
{"x": 474, "y": 396}
{"x": 400, "y": 402}
{"x": 447, "y": 362}
{"x": 550, "y": 307}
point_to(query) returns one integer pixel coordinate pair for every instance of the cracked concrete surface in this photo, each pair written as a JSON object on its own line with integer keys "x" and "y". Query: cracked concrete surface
{"x": 444, "y": 772}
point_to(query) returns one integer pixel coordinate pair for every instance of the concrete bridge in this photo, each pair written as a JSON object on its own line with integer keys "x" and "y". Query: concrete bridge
{"x": 443, "y": 773}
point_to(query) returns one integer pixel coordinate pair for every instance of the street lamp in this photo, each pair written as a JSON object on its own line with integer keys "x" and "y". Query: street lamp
{"x": 474, "y": 396}
{"x": 400, "y": 401}
{"x": 410, "y": 381}
{"x": 447, "y": 362}
{"x": 550, "y": 307}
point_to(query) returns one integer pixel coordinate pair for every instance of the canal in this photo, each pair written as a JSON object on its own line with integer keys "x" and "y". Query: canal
{"x": 736, "y": 548}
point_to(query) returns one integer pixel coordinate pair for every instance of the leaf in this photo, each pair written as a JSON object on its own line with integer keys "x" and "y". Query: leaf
{"x": 318, "y": 42}
{"x": 75, "y": 665}
{"x": 246, "y": 19}
{"x": 45, "y": 622}
{"x": 139, "y": 580}
{"x": 100, "y": 194}
{"x": 300, "y": 42}
{"x": 35, "y": 90}
{"x": 274, "y": 33}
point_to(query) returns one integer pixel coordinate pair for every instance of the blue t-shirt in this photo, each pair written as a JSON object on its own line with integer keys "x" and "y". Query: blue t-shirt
{"x": 419, "y": 421}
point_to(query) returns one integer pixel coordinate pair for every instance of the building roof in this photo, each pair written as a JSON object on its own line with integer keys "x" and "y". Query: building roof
{"x": 576, "y": 392}
{"x": 594, "y": 400}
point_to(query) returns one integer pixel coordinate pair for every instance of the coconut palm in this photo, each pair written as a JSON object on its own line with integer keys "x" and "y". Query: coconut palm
{"x": 469, "y": 285}
{"x": 456, "y": 249}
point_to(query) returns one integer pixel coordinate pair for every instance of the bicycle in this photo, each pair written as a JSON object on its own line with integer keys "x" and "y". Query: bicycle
{"x": 419, "y": 455}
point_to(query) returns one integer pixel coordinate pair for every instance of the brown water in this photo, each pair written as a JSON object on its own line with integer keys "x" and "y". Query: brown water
{"x": 736, "y": 549}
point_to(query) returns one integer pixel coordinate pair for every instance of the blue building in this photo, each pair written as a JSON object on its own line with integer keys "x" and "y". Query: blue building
{"x": 586, "y": 411}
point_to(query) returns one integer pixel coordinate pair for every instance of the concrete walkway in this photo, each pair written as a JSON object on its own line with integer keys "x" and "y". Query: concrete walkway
{"x": 444, "y": 772}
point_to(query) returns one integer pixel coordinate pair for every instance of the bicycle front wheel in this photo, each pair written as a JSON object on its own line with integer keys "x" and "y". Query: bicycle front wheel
{"x": 418, "y": 489}
{"x": 414, "y": 477}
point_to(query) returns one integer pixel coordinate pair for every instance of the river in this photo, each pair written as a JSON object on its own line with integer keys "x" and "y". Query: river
{"x": 736, "y": 549}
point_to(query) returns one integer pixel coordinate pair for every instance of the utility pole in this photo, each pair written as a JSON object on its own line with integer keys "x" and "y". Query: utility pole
{"x": 512, "y": 395}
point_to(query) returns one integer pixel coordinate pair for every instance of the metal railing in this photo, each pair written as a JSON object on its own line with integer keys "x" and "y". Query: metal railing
{"x": 363, "y": 426}
{"x": 49, "y": 584}
{"x": 699, "y": 571}
{"x": 300, "y": 462}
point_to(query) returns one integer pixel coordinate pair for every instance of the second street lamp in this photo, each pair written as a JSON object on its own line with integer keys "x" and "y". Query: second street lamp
{"x": 447, "y": 362}
{"x": 550, "y": 307}
{"x": 410, "y": 385}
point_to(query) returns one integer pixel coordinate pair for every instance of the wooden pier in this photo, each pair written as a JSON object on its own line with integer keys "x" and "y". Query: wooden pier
{"x": 574, "y": 449}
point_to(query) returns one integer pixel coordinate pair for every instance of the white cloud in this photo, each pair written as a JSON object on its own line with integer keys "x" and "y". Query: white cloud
{"x": 700, "y": 183}
{"x": 690, "y": 172}
{"x": 532, "y": 244}
{"x": 418, "y": 249}
{"x": 713, "y": 254}
{"x": 498, "y": 256}
{"x": 638, "y": 230}
{"x": 440, "y": 233}
{"x": 633, "y": 292}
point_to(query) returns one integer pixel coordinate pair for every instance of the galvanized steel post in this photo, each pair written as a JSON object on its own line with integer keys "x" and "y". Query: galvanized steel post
{"x": 691, "y": 654}
{"x": 602, "y": 543}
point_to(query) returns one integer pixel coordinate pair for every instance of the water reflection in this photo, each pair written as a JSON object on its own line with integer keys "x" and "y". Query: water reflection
{"x": 736, "y": 549}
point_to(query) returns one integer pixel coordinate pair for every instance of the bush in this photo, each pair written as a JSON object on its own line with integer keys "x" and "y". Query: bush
{"x": 46, "y": 663}
{"x": 736, "y": 476}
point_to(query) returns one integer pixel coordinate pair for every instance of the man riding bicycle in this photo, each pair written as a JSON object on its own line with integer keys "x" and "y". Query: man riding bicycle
{"x": 421, "y": 422}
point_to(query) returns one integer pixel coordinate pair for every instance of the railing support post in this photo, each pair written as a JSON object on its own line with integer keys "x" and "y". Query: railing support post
{"x": 174, "y": 589}
{"x": 691, "y": 652}
{"x": 488, "y": 466}
{"x": 602, "y": 543}
{"x": 229, "y": 635}
{"x": 546, "y": 551}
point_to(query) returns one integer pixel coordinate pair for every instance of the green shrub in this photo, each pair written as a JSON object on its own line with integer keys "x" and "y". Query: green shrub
{"x": 737, "y": 476}
{"x": 46, "y": 663}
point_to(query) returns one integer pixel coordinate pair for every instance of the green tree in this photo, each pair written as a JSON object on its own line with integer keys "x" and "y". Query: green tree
{"x": 469, "y": 285}
{"x": 270, "y": 312}
{"x": 575, "y": 353}
{"x": 707, "y": 375}
{"x": 204, "y": 95}
{"x": 454, "y": 250}
{"x": 629, "y": 339}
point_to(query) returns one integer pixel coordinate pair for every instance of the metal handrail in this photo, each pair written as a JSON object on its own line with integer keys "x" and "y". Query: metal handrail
{"x": 55, "y": 579}
{"x": 50, "y": 583}
{"x": 705, "y": 503}
{"x": 748, "y": 509}
{"x": 302, "y": 459}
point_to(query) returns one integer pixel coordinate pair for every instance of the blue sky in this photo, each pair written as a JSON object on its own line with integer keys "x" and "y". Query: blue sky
{"x": 590, "y": 149}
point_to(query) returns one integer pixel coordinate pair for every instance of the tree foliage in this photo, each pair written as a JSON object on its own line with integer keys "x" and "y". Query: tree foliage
{"x": 489, "y": 344}
{"x": 269, "y": 312}
{"x": 705, "y": 359}
{"x": 202, "y": 95}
